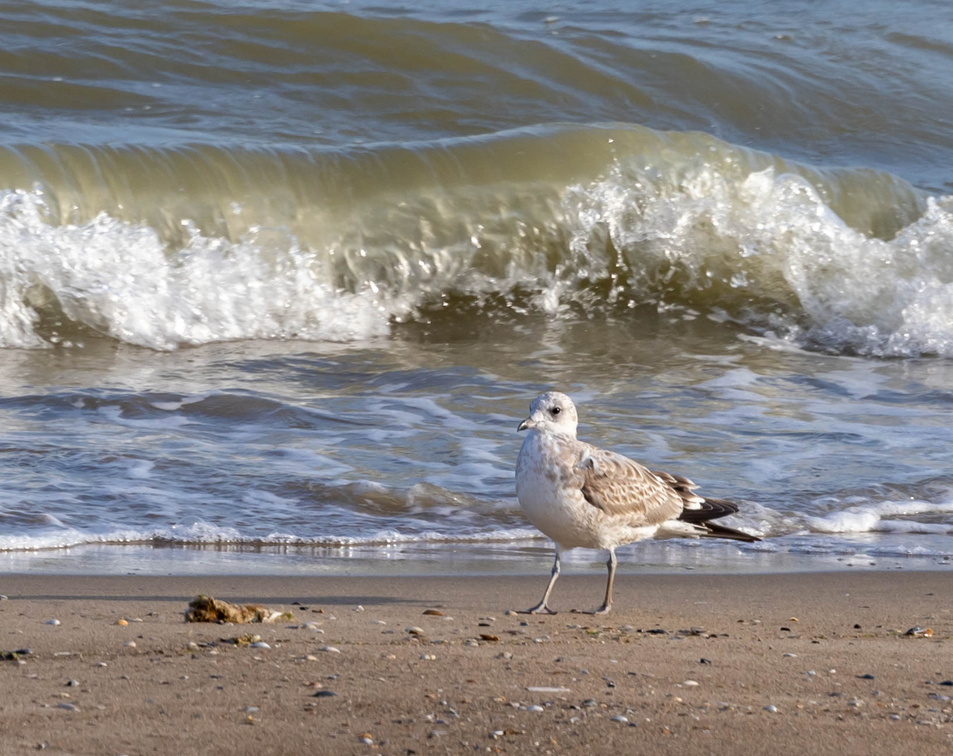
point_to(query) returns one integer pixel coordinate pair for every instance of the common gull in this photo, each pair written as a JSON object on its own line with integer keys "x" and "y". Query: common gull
{"x": 582, "y": 496}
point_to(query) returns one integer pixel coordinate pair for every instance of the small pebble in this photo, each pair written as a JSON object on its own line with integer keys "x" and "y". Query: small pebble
{"x": 433, "y": 613}
{"x": 67, "y": 706}
{"x": 535, "y": 707}
{"x": 428, "y": 657}
{"x": 690, "y": 683}
{"x": 129, "y": 644}
{"x": 771, "y": 709}
{"x": 330, "y": 649}
{"x": 325, "y": 694}
{"x": 414, "y": 630}
{"x": 52, "y": 622}
{"x": 619, "y": 718}
{"x": 260, "y": 644}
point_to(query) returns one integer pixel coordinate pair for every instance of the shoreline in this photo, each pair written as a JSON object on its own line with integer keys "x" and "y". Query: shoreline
{"x": 685, "y": 663}
{"x": 525, "y": 558}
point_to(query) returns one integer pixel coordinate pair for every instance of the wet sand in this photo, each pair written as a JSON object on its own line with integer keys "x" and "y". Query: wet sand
{"x": 787, "y": 664}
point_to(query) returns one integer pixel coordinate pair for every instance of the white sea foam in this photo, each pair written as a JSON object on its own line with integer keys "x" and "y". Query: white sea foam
{"x": 882, "y": 517}
{"x": 796, "y": 268}
{"x": 121, "y": 279}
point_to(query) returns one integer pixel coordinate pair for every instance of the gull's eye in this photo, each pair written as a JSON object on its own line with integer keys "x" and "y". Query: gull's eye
{"x": 556, "y": 410}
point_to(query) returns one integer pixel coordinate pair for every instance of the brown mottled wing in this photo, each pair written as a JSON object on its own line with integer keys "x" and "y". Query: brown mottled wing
{"x": 620, "y": 486}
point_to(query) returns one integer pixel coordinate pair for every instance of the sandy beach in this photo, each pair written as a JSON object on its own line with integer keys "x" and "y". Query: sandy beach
{"x": 807, "y": 663}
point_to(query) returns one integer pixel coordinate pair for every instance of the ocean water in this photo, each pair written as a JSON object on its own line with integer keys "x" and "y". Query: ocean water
{"x": 278, "y": 281}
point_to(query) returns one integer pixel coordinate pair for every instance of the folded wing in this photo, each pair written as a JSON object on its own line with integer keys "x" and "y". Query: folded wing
{"x": 621, "y": 487}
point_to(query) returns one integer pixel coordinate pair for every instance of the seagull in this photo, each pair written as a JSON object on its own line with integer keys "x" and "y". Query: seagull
{"x": 582, "y": 496}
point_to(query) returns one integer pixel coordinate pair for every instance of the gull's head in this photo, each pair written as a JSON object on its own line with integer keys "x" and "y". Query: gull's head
{"x": 551, "y": 412}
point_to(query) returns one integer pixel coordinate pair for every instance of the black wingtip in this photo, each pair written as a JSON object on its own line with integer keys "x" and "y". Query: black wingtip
{"x": 709, "y": 509}
{"x": 722, "y": 531}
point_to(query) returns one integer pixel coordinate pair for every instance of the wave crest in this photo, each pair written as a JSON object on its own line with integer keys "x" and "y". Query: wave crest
{"x": 340, "y": 246}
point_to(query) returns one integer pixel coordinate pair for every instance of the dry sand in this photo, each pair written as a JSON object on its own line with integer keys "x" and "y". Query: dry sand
{"x": 782, "y": 664}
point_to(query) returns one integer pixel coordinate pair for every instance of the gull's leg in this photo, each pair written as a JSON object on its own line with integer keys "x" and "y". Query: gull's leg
{"x": 607, "y": 603}
{"x": 541, "y": 607}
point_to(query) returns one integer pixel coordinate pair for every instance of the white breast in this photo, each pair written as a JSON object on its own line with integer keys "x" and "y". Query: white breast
{"x": 544, "y": 473}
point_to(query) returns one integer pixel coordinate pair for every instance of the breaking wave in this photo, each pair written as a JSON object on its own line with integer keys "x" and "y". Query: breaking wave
{"x": 165, "y": 247}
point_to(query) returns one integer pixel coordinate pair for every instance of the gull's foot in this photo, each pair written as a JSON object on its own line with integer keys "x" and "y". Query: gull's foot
{"x": 540, "y": 609}
{"x": 604, "y": 609}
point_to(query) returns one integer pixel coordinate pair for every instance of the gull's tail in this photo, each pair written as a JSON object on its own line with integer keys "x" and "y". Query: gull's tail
{"x": 711, "y": 509}
{"x": 699, "y": 511}
{"x": 722, "y": 531}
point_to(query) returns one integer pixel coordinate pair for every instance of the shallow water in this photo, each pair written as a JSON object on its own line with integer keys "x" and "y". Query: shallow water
{"x": 277, "y": 284}
{"x": 410, "y": 445}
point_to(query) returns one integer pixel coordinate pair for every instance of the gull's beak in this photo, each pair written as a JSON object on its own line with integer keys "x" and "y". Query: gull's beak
{"x": 526, "y": 425}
